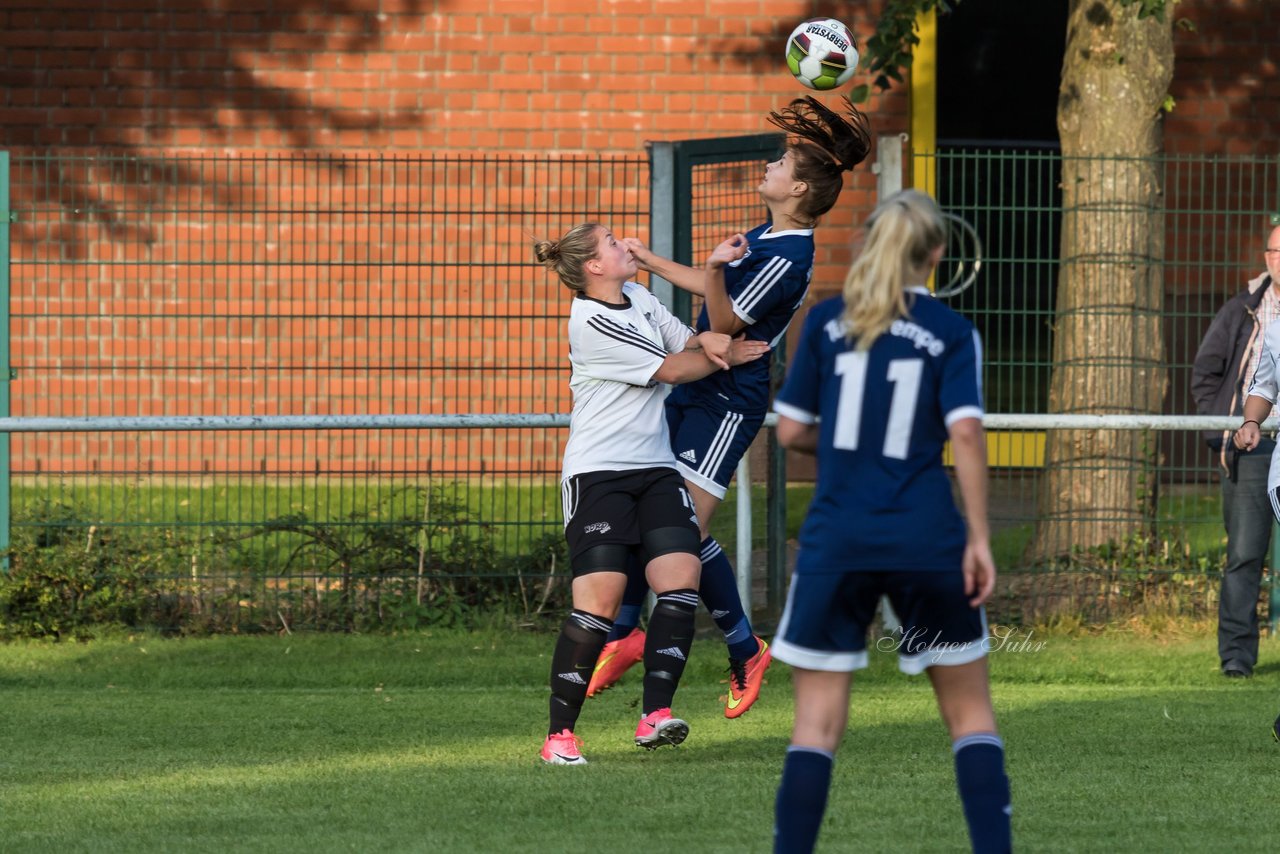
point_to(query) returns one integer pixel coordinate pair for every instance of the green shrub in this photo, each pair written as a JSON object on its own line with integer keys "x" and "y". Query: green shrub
{"x": 415, "y": 559}
{"x": 58, "y": 585}
{"x": 1142, "y": 576}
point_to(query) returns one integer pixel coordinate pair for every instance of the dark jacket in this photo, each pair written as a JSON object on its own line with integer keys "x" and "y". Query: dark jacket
{"x": 1217, "y": 376}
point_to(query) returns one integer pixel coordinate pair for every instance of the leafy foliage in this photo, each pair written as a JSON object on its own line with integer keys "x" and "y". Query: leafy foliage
{"x": 62, "y": 579}
{"x": 1149, "y": 8}
{"x": 414, "y": 560}
{"x": 1142, "y": 575}
{"x": 889, "y": 51}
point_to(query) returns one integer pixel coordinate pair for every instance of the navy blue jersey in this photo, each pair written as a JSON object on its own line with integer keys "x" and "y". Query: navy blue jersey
{"x": 766, "y": 286}
{"x": 883, "y": 500}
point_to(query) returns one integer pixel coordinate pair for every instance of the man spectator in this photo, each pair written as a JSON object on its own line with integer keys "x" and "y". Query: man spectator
{"x": 1220, "y": 379}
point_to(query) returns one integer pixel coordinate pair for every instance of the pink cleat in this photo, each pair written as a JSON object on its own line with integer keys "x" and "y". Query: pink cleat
{"x": 658, "y": 728}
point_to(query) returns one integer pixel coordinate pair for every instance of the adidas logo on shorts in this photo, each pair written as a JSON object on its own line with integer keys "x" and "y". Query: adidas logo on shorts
{"x": 673, "y": 651}
{"x": 689, "y": 455}
{"x": 715, "y": 615}
{"x": 575, "y": 678}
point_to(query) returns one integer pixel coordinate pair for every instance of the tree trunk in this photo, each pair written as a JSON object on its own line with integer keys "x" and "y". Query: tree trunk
{"x": 1108, "y": 351}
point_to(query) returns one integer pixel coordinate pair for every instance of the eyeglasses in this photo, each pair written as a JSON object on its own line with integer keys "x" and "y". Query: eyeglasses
{"x": 1272, "y": 252}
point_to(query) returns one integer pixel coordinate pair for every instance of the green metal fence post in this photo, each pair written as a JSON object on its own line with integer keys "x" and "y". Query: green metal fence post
{"x": 694, "y": 156}
{"x": 6, "y": 371}
{"x": 662, "y": 206}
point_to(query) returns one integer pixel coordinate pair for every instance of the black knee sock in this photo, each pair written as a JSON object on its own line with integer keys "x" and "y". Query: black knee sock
{"x": 581, "y": 639}
{"x": 666, "y": 647}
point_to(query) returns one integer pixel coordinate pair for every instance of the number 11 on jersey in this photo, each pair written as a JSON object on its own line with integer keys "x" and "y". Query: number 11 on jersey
{"x": 904, "y": 374}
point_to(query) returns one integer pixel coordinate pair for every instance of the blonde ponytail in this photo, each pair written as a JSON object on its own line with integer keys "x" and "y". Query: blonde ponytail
{"x": 902, "y": 232}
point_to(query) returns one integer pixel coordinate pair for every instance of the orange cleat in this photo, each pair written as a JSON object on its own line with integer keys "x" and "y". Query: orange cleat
{"x": 745, "y": 679}
{"x": 615, "y": 659}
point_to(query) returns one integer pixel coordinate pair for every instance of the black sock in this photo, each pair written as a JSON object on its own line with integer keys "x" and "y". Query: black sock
{"x": 666, "y": 647}
{"x": 581, "y": 639}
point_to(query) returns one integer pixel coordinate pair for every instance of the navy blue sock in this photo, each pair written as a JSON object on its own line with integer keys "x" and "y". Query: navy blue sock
{"x": 632, "y": 602}
{"x": 719, "y": 592}
{"x": 984, "y": 791}
{"x": 802, "y": 799}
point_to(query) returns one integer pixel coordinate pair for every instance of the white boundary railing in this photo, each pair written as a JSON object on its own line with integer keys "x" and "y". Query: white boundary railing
{"x": 181, "y": 423}
{"x": 743, "y": 557}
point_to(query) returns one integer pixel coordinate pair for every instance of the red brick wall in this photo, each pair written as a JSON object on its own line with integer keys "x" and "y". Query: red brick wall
{"x": 464, "y": 75}
{"x": 1226, "y": 92}
{"x": 408, "y": 76}
{"x": 350, "y": 80}
{"x": 477, "y": 75}
{"x": 364, "y": 77}
{"x": 1227, "y": 79}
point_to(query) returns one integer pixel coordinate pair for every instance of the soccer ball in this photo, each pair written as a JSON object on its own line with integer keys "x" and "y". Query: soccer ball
{"x": 821, "y": 53}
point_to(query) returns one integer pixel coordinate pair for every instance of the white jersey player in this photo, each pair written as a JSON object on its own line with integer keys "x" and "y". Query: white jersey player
{"x": 622, "y": 493}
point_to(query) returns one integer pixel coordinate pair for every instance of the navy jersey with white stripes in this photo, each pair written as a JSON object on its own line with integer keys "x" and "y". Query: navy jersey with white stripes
{"x": 765, "y": 286}
{"x": 883, "y": 500}
{"x": 618, "y": 422}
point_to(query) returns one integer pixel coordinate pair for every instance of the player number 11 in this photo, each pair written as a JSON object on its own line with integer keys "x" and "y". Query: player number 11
{"x": 905, "y": 376}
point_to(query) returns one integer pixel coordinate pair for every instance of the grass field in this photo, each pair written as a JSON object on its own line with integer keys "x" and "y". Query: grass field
{"x": 428, "y": 742}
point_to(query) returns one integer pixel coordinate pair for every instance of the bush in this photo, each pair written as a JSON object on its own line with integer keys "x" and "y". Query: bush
{"x": 58, "y": 585}
{"x": 414, "y": 560}
{"x": 1142, "y": 576}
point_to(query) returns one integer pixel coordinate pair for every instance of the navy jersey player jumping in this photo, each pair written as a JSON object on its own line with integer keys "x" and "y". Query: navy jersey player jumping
{"x": 752, "y": 285}
{"x": 882, "y": 377}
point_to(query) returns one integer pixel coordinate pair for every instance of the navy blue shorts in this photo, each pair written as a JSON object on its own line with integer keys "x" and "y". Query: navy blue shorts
{"x": 709, "y": 441}
{"x": 824, "y": 625}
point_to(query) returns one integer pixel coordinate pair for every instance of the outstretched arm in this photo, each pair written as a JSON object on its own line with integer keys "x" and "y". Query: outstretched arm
{"x": 683, "y": 277}
{"x": 719, "y": 307}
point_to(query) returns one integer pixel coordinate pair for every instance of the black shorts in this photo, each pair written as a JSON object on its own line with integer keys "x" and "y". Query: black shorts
{"x": 627, "y": 508}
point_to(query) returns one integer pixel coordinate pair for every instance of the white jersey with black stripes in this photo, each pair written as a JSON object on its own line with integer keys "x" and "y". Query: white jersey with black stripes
{"x": 618, "y": 423}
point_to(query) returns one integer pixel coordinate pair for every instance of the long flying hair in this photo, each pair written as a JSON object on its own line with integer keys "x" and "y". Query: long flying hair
{"x": 823, "y": 145}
